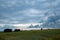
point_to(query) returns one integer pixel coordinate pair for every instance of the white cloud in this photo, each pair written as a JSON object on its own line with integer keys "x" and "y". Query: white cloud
{"x": 41, "y": 0}
{"x": 1, "y": 25}
{"x": 14, "y": 22}
{"x": 30, "y": 2}
{"x": 46, "y": 4}
{"x": 11, "y": 3}
{"x": 20, "y": 25}
{"x": 33, "y": 3}
{"x": 33, "y": 12}
{"x": 3, "y": 5}
{"x": 55, "y": 3}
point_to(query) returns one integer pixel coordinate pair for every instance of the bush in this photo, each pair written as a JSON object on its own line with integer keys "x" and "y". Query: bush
{"x": 7, "y": 30}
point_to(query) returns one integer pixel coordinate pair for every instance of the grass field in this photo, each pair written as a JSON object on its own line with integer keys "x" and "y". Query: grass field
{"x": 31, "y": 35}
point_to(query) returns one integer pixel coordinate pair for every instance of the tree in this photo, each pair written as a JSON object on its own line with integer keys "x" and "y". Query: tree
{"x": 41, "y": 29}
{"x": 17, "y": 30}
{"x": 7, "y": 30}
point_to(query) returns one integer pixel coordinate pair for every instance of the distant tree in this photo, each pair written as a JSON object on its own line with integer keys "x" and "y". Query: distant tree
{"x": 41, "y": 29}
{"x": 7, "y": 30}
{"x": 16, "y": 30}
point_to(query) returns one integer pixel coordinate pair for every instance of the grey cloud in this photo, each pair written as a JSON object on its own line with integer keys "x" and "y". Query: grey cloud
{"x": 17, "y": 7}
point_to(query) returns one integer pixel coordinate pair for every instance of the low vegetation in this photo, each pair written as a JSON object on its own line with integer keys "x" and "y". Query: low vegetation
{"x": 53, "y": 34}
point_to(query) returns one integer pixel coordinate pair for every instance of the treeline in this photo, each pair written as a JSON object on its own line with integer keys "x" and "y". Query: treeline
{"x": 10, "y": 30}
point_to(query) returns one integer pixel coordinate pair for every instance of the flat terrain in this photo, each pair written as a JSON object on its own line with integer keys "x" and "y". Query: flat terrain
{"x": 53, "y": 34}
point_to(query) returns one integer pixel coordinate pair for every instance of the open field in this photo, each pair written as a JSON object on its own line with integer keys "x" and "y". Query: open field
{"x": 31, "y": 35}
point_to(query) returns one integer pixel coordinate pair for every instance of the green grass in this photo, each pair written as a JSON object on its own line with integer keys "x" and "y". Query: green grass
{"x": 31, "y": 35}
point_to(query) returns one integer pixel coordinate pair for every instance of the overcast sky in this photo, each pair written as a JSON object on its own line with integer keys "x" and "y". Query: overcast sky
{"x": 27, "y": 11}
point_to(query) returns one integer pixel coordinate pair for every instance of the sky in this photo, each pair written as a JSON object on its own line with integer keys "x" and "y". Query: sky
{"x": 29, "y": 12}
